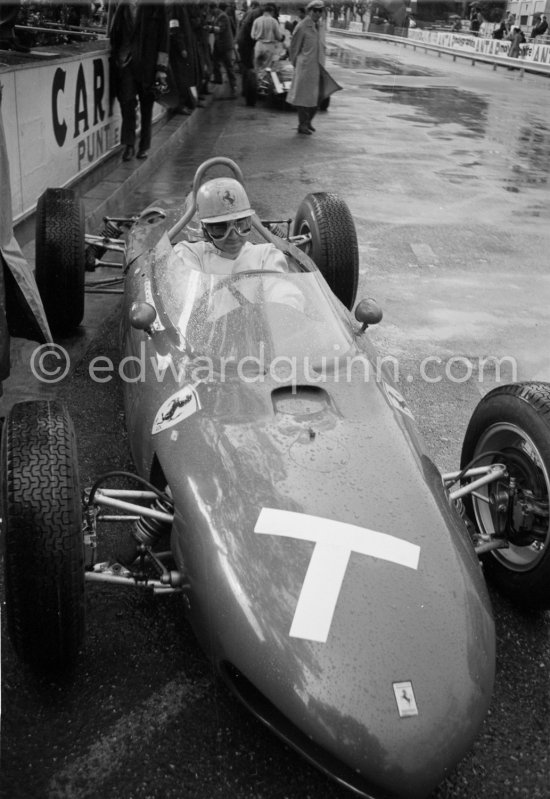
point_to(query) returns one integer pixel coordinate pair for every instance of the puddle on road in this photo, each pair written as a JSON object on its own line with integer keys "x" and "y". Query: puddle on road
{"x": 518, "y": 157}
{"x": 532, "y": 157}
{"x": 375, "y": 66}
{"x": 442, "y": 105}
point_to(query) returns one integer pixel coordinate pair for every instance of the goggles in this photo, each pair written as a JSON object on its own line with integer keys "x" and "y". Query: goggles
{"x": 220, "y": 230}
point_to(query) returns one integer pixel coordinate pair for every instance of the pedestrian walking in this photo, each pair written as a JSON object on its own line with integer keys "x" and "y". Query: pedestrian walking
{"x": 139, "y": 59}
{"x": 311, "y": 83}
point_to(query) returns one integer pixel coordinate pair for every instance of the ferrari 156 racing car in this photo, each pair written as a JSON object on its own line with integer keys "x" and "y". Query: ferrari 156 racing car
{"x": 271, "y": 83}
{"x": 330, "y": 571}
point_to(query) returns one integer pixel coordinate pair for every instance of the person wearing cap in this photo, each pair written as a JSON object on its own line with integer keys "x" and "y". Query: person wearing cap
{"x": 306, "y": 55}
{"x": 225, "y": 214}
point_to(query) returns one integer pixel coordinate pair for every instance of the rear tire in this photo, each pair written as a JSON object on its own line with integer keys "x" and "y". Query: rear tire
{"x": 333, "y": 245}
{"x": 43, "y": 543}
{"x": 514, "y": 420}
{"x": 60, "y": 258}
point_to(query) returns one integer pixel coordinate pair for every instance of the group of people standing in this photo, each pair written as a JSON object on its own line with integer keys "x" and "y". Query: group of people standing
{"x": 194, "y": 42}
{"x": 509, "y": 31}
{"x": 512, "y": 32}
{"x": 149, "y": 40}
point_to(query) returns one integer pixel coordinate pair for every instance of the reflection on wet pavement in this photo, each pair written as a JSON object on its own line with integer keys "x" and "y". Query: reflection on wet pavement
{"x": 509, "y": 146}
{"x": 533, "y": 154}
{"x": 441, "y": 105}
{"x": 374, "y": 65}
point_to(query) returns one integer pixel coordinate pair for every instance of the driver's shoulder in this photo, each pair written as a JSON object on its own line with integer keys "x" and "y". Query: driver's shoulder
{"x": 191, "y": 253}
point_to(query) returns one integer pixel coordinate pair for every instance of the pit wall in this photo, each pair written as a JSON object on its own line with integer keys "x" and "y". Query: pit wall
{"x": 59, "y": 123}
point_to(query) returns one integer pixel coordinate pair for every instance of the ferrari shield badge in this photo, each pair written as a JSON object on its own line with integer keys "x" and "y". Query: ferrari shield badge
{"x": 179, "y": 406}
{"x": 404, "y": 696}
{"x": 396, "y": 400}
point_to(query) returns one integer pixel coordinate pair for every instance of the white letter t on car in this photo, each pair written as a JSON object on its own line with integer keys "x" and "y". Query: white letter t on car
{"x": 334, "y": 542}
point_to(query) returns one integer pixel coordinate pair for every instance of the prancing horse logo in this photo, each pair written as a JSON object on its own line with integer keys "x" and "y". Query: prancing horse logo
{"x": 228, "y": 198}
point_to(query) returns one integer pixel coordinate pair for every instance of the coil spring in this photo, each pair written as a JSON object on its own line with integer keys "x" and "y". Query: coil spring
{"x": 148, "y": 530}
{"x": 278, "y": 230}
{"x": 111, "y": 230}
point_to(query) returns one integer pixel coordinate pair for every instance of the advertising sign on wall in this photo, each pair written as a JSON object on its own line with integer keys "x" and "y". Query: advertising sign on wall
{"x": 537, "y": 53}
{"x": 59, "y": 123}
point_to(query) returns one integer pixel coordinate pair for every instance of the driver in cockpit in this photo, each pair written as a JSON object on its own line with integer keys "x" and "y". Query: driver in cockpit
{"x": 225, "y": 214}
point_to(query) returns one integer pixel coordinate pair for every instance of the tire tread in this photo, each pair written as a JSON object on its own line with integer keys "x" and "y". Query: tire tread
{"x": 43, "y": 542}
{"x": 61, "y": 258}
{"x": 339, "y": 256}
{"x": 510, "y": 402}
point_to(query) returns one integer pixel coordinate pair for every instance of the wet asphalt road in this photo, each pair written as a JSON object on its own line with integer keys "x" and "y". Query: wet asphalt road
{"x": 445, "y": 168}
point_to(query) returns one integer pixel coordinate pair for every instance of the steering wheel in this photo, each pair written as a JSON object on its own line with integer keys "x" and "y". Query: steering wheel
{"x": 199, "y": 316}
{"x": 233, "y": 278}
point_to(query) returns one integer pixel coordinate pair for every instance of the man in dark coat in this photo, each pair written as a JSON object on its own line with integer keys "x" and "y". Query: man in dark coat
{"x": 8, "y": 18}
{"x": 184, "y": 56}
{"x": 223, "y": 46}
{"x": 245, "y": 42}
{"x": 540, "y": 28}
{"x": 139, "y": 36}
{"x": 198, "y": 17}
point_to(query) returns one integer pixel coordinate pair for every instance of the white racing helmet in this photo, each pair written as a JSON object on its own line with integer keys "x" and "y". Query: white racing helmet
{"x": 222, "y": 199}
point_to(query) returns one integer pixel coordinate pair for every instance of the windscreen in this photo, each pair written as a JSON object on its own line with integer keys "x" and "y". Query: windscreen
{"x": 262, "y": 315}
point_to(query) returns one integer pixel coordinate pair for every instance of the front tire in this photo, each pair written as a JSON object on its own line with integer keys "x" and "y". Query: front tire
{"x": 61, "y": 258}
{"x": 333, "y": 246}
{"x": 514, "y": 422}
{"x": 43, "y": 544}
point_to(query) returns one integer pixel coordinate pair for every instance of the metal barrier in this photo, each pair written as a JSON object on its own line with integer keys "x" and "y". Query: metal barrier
{"x": 474, "y": 57}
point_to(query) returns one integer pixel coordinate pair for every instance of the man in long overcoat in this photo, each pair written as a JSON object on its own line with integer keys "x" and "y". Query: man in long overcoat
{"x": 139, "y": 36}
{"x": 184, "y": 55}
{"x": 311, "y": 83}
{"x": 224, "y": 45}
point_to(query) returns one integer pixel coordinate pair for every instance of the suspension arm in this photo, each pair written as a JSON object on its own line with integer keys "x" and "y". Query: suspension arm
{"x": 114, "y": 245}
{"x": 102, "y": 498}
{"x": 489, "y": 474}
{"x": 129, "y": 581}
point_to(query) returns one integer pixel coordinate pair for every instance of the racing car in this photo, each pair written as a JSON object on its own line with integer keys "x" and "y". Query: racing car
{"x": 334, "y": 577}
{"x": 270, "y": 83}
